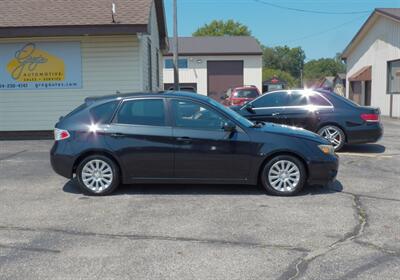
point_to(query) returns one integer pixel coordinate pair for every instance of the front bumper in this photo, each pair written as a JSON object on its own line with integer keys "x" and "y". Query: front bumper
{"x": 323, "y": 172}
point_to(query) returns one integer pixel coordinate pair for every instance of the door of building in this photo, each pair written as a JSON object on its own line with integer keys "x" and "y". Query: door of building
{"x": 222, "y": 75}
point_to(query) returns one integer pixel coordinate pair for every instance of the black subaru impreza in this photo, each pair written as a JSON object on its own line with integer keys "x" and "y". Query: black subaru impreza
{"x": 178, "y": 137}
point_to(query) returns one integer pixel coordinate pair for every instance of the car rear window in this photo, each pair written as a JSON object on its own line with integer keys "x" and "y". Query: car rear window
{"x": 246, "y": 93}
{"x": 103, "y": 113}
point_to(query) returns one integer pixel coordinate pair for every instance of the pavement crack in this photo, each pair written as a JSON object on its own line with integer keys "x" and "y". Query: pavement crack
{"x": 301, "y": 265}
{"x": 385, "y": 250}
{"x": 365, "y": 195}
{"x": 220, "y": 242}
{"x": 31, "y": 249}
{"x": 12, "y": 155}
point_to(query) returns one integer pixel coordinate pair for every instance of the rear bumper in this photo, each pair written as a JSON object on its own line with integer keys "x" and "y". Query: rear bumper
{"x": 323, "y": 172}
{"x": 61, "y": 163}
{"x": 368, "y": 133}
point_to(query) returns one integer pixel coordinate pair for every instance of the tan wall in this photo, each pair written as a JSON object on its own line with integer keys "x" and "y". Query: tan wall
{"x": 197, "y": 71}
{"x": 380, "y": 45}
{"x": 153, "y": 38}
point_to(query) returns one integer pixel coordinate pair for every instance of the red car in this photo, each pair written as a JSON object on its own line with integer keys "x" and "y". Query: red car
{"x": 240, "y": 95}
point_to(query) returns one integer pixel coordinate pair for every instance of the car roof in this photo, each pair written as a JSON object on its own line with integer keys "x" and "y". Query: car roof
{"x": 302, "y": 91}
{"x": 245, "y": 87}
{"x": 119, "y": 96}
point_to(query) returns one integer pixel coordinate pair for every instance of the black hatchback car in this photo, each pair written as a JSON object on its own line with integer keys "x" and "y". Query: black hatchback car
{"x": 332, "y": 116}
{"x": 184, "y": 138}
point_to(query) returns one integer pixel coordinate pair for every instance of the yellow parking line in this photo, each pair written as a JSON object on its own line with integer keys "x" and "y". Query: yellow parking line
{"x": 365, "y": 155}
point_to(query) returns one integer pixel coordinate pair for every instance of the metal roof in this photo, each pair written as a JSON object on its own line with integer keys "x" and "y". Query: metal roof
{"x": 222, "y": 45}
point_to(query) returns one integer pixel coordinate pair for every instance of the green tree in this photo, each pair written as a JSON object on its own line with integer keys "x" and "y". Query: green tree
{"x": 286, "y": 59}
{"x": 319, "y": 68}
{"x": 223, "y": 28}
{"x": 269, "y": 73}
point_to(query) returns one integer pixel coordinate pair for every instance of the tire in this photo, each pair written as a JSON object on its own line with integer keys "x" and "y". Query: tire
{"x": 101, "y": 169}
{"x": 333, "y": 134}
{"x": 283, "y": 175}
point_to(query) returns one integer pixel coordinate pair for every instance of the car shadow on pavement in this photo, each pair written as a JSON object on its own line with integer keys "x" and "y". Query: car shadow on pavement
{"x": 187, "y": 189}
{"x": 363, "y": 149}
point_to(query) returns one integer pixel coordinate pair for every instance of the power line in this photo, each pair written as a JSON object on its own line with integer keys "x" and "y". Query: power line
{"x": 319, "y": 32}
{"x": 309, "y": 11}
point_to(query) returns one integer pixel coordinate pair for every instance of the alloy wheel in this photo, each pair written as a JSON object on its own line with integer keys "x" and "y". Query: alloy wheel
{"x": 97, "y": 175}
{"x": 333, "y": 135}
{"x": 284, "y": 176}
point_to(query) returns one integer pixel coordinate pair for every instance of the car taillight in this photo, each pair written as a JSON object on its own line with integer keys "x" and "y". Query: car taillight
{"x": 370, "y": 117}
{"x": 60, "y": 134}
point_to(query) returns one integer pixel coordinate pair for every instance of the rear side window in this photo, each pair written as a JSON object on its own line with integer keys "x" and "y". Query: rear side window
{"x": 246, "y": 93}
{"x": 275, "y": 99}
{"x": 104, "y": 112}
{"x": 318, "y": 100}
{"x": 142, "y": 112}
{"x": 77, "y": 110}
{"x": 296, "y": 98}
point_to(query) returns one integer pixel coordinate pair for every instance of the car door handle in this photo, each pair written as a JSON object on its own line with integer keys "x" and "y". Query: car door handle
{"x": 117, "y": 135}
{"x": 184, "y": 139}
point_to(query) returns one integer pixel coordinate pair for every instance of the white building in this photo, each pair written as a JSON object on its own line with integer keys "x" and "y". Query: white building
{"x": 55, "y": 55}
{"x": 373, "y": 63}
{"x": 212, "y": 65}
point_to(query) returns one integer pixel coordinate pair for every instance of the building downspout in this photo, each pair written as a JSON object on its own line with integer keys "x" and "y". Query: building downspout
{"x": 391, "y": 106}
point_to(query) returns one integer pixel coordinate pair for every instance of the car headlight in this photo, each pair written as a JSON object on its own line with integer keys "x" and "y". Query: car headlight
{"x": 327, "y": 149}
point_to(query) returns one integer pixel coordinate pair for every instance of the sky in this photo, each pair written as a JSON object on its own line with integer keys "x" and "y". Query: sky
{"x": 319, "y": 34}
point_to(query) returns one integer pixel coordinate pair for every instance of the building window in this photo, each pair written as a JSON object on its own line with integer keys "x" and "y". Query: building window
{"x": 182, "y": 63}
{"x": 394, "y": 76}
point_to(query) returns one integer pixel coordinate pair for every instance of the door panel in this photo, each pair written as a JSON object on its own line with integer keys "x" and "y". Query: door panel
{"x": 301, "y": 117}
{"x": 144, "y": 151}
{"x": 207, "y": 155}
{"x": 265, "y": 115}
{"x": 139, "y": 135}
{"x": 203, "y": 150}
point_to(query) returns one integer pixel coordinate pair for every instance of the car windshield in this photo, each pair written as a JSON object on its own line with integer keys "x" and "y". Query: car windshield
{"x": 242, "y": 120}
{"x": 246, "y": 93}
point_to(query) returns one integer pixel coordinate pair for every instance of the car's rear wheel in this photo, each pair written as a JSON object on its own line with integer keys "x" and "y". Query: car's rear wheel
{"x": 334, "y": 135}
{"x": 97, "y": 175}
{"x": 284, "y": 175}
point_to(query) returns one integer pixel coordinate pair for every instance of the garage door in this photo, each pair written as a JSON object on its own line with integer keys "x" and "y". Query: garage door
{"x": 223, "y": 75}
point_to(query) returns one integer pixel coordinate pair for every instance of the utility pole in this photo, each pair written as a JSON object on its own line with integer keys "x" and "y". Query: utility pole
{"x": 301, "y": 79}
{"x": 175, "y": 50}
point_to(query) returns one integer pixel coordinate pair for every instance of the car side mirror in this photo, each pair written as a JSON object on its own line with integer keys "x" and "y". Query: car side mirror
{"x": 229, "y": 127}
{"x": 249, "y": 108}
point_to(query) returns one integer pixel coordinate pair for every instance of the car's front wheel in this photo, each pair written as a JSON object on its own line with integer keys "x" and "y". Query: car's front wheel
{"x": 334, "y": 135}
{"x": 284, "y": 175}
{"x": 97, "y": 175}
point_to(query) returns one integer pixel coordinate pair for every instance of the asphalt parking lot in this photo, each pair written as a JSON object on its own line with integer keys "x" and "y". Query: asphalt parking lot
{"x": 350, "y": 230}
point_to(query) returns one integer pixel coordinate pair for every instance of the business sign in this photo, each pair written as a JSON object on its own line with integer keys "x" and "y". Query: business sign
{"x": 40, "y": 65}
